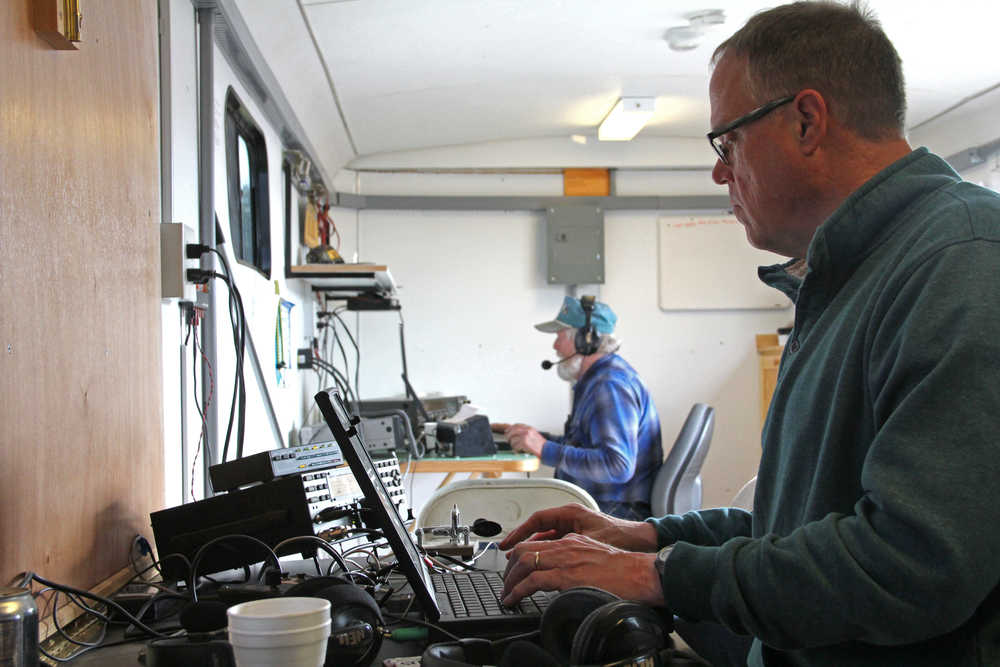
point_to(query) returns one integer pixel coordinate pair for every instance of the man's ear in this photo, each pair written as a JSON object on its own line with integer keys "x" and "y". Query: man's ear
{"x": 812, "y": 118}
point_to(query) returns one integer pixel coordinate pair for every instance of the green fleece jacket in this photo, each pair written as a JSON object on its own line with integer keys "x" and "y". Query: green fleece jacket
{"x": 875, "y": 535}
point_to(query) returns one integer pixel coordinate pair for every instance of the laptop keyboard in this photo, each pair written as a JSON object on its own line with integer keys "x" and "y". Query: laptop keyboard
{"x": 470, "y": 594}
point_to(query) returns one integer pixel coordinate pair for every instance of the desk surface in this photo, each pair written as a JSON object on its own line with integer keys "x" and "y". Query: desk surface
{"x": 497, "y": 463}
{"x": 491, "y": 466}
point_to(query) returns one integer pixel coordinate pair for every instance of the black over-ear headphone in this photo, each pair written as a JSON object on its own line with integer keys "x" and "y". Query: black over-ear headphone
{"x": 582, "y": 626}
{"x": 356, "y": 627}
{"x": 356, "y": 621}
{"x": 587, "y": 338}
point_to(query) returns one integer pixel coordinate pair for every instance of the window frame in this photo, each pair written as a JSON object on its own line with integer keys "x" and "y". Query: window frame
{"x": 239, "y": 124}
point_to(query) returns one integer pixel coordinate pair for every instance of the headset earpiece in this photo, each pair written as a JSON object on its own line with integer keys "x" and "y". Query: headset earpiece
{"x": 460, "y": 653}
{"x": 565, "y": 614}
{"x": 619, "y": 630}
{"x": 587, "y": 338}
{"x": 590, "y": 626}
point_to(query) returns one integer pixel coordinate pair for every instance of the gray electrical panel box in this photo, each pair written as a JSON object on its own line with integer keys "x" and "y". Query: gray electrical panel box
{"x": 575, "y": 237}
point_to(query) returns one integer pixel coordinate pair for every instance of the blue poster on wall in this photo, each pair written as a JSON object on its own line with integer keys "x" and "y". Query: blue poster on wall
{"x": 283, "y": 352}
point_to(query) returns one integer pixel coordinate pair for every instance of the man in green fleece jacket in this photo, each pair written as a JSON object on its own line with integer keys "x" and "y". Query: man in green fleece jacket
{"x": 873, "y": 538}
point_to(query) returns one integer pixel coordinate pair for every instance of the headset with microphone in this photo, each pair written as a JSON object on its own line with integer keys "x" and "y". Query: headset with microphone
{"x": 587, "y": 339}
{"x": 546, "y": 365}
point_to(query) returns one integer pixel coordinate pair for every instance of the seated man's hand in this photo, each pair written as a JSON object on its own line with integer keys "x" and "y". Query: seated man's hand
{"x": 557, "y": 522}
{"x": 524, "y": 438}
{"x": 576, "y": 560}
{"x": 499, "y": 427}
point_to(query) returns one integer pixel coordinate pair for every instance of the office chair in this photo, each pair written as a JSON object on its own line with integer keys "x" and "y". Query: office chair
{"x": 507, "y": 501}
{"x": 677, "y": 486}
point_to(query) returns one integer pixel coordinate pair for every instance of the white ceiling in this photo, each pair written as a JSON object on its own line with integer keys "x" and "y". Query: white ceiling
{"x": 404, "y": 76}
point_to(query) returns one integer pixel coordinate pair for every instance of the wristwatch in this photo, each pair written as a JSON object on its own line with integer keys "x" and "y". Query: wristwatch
{"x": 661, "y": 559}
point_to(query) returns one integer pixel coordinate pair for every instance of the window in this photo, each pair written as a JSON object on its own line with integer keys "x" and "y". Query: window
{"x": 246, "y": 179}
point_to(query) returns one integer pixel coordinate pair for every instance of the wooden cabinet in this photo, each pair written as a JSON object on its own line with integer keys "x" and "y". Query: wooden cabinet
{"x": 769, "y": 356}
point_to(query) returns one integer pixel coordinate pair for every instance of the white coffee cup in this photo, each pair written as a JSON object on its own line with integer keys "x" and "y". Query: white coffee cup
{"x": 290, "y": 632}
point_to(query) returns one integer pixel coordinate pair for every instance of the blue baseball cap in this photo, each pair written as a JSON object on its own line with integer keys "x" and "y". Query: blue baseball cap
{"x": 571, "y": 315}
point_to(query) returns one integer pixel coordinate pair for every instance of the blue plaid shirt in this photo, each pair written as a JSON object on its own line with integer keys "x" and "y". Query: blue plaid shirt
{"x": 611, "y": 445}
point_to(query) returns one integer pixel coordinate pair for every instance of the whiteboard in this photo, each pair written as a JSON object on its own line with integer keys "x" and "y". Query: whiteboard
{"x": 706, "y": 263}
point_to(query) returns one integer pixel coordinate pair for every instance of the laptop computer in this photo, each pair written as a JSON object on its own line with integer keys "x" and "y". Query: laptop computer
{"x": 463, "y": 603}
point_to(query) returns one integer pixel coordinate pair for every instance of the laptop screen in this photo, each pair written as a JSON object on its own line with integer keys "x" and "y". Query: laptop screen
{"x": 353, "y": 449}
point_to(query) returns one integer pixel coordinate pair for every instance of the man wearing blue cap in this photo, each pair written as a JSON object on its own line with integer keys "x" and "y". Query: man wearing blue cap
{"x": 611, "y": 442}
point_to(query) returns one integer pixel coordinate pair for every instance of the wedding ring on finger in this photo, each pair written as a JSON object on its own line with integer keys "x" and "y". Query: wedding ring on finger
{"x": 538, "y": 555}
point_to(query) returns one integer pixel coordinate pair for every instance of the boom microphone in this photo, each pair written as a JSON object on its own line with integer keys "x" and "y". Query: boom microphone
{"x": 546, "y": 365}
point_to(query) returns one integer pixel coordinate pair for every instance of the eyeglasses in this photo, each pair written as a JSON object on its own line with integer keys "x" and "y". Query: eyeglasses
{"x": 715, "y": 136}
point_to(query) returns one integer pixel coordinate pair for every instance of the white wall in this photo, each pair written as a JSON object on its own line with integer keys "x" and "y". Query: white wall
{"x": 472, "y": 284}
{"x": 986, "y": 174}
{"x": 968, "y": 124}
{"x": 259, "y": 293}
{"x": 346, "y": 222}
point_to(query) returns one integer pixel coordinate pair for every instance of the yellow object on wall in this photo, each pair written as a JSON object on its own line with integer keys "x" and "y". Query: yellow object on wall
{"x": 586, "y": 182}
{"x": 769, "y": 354}
{"x": 58, "y": 22}
{"x": 310, "y": 227}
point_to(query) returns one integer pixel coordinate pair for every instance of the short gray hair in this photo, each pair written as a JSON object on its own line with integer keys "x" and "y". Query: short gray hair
{"x": 609, "y": 344}
{"x": 839, "y": 50}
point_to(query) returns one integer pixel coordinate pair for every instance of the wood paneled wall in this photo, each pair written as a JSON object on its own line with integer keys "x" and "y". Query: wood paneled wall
{"x": 81, "y": 460}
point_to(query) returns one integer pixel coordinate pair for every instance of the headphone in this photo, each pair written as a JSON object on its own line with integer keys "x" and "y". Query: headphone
{"x": 356, "y": 628}
{"x": 356, "y": 621}
{"x": 582, "y": 626}
{"x": 587, "y": 338}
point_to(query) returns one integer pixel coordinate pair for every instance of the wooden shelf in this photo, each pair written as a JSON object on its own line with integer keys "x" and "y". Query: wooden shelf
{"x": 346, "y": 279}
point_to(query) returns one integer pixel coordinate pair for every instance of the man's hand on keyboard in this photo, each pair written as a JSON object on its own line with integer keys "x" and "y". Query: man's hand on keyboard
{"x": 524, "y": 438}
{"x": 557, "y": 522}
{"x": 576, "y": 560}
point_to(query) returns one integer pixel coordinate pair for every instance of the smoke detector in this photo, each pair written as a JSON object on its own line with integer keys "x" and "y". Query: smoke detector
{"x": 683, "y": 37}
{"x": 687, "y": 37}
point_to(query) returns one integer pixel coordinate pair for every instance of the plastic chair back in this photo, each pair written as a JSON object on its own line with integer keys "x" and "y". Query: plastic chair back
{"x": 507, "y": 501}
{"x": 677, "y": 487}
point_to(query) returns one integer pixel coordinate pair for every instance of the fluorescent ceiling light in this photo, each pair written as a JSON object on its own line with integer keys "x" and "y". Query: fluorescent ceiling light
{"x": 628, "y": 116}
